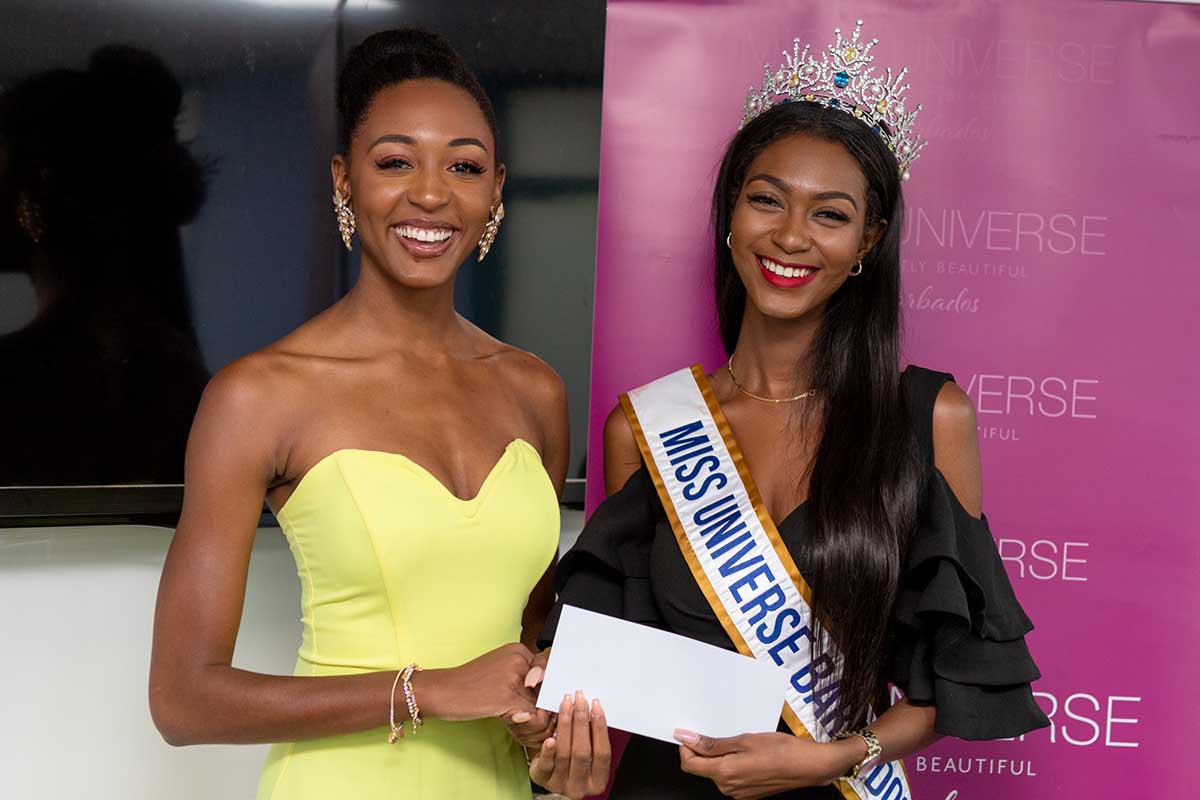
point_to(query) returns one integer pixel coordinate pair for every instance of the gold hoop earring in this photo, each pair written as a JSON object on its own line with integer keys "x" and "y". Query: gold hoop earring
{"x": 857, "y": 268}
{"x": 490, "y": 230}
{"x": 345, "y": 217}
{"x": 729, "y": 240}
{"x": 29, "y": 217}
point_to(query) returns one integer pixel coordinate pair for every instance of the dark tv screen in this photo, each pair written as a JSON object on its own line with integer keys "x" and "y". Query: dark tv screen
{"x": 165, "y": 209}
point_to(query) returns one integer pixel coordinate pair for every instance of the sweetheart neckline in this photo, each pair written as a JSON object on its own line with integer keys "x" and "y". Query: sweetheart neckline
{"x": 416, "y": 467}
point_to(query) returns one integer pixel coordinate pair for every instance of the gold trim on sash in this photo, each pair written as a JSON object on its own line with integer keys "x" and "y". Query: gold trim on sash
{"x": 685, "y": 547}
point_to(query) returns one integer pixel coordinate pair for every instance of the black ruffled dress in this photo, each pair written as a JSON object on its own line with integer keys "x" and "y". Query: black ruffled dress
{"x": 958, "y": 630}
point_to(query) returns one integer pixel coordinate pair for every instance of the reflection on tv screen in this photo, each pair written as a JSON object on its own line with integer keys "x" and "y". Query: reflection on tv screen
{"x": 103, "y": 381}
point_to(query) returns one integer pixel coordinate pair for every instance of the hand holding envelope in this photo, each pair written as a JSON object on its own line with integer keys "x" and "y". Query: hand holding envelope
{"x": 754, "y": 765}
{"x": 670, "y": 688}
{"x": 575, "y": 761}
{"x": 571, "y": 751}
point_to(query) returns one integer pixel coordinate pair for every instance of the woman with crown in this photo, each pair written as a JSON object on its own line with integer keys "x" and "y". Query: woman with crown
{"x": 811, "y": 502}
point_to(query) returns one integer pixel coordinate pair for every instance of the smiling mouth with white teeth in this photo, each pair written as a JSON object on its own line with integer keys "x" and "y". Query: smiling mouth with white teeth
{"x": 424, "y": 239}
{"x": 424, "y": 234}
{"x": 786, "y": 275}
{"x": 776, "y": 268}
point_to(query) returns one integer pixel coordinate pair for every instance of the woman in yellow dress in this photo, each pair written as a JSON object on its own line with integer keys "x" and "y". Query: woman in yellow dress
{"x": 414, "y": 464}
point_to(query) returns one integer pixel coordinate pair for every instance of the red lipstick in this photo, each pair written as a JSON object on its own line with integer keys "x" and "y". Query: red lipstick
{"x": 782, "y": 281}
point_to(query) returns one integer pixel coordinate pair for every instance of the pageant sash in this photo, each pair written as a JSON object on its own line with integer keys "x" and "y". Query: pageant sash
{"x": 737, "y": 556}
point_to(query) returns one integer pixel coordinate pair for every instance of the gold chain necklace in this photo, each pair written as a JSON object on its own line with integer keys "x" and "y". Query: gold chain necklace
{"x": 748, "y": 393}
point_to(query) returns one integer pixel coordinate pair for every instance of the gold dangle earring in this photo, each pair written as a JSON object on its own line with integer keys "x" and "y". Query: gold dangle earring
{"x": 29, "y": 217}
{"x": 345, "y": 217}
{"x": 490, "y": 230}
{"x": 856, "y": 269}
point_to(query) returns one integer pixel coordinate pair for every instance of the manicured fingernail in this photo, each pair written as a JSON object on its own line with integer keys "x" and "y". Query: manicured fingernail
{"x": 687, "y": 737}
{"x": 521, "y": 716}
{"x": 597, "y": 711}
{"x": 534, "y": 677}
{"x": 548, "y": 744}
{"x": 580, "y": 702}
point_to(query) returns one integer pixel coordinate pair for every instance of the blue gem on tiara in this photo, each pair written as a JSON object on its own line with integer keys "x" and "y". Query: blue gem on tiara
{"x": 841, "y": 76}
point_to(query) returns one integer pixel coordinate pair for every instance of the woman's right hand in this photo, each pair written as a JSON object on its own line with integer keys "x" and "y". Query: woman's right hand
{"x": 489, "y": 686}
{"x": 575, "y": 761}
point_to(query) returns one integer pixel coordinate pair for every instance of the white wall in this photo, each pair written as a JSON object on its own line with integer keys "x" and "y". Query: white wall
{"x": 76, "y": 608}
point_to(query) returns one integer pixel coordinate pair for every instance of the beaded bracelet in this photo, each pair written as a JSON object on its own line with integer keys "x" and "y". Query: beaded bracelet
{"x": 410, "y": 697}
{"x": 414, "y": 712}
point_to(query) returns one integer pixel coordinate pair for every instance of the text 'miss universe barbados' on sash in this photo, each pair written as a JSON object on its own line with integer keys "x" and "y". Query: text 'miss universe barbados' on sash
{"x": 736, "y": 555}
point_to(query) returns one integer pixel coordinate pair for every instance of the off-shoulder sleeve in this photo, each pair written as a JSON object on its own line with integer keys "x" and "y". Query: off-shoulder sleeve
{"x": 959, "y": 630}
{"x": 608, "y": 569}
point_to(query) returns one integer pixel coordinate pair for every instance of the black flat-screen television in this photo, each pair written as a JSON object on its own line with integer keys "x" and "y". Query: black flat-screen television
{"x": 165, "y": 208}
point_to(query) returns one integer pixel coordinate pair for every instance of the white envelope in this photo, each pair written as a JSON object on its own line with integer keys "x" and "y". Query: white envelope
{"x": 651, "y": 682}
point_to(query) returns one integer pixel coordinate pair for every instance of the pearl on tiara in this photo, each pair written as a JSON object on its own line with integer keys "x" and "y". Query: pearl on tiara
{"x": 844, "y": 79}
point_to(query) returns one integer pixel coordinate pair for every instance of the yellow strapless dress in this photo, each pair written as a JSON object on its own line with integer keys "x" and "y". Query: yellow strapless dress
{"x": 394, "y": 569}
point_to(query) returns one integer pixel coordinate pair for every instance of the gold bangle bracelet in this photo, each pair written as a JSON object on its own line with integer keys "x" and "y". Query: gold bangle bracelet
{"x": 395, "y": 732}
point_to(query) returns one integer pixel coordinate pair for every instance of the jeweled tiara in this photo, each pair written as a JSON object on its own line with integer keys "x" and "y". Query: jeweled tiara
{"x": 843, "y": 79}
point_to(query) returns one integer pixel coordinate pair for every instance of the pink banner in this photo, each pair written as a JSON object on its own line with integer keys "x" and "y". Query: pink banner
{"x": 1049, "y": 263}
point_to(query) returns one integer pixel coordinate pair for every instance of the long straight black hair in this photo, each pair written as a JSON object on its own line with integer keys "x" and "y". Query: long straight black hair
{"x": 866, "y": 477}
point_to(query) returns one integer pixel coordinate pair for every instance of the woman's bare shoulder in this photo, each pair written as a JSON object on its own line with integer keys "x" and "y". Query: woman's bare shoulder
{"x": 530, "y": 376}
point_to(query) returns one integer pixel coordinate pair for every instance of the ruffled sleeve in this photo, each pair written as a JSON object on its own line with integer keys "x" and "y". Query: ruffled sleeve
{"x": 959, "y": 632}
{"x": 608, "y": 569}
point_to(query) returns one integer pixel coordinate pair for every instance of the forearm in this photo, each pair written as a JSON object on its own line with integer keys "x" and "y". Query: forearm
{"x": 905, "y": 728}
{"x": 532, "y": 623}
{"x": 902, "y": 730}
{"x": 537, "y": 608}
{"x": 223, "y": 705}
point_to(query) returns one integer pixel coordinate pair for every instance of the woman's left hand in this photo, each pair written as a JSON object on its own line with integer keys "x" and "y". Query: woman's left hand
{"x": 530, "y": 729}
{"x": 757, "y": 765}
